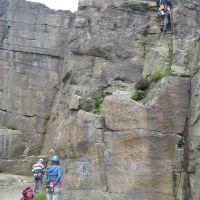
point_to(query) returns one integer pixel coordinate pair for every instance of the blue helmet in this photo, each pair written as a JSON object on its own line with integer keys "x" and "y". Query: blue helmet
{"x": 55, "y": 158}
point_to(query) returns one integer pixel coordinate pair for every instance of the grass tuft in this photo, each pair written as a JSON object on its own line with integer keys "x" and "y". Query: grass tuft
{"x": 138, "y": 95}
{"x": 98, "y": 100}
{"x": 40, "y": 196}
{"x": 142, "y": 84}
{"x": 158, "y": 75}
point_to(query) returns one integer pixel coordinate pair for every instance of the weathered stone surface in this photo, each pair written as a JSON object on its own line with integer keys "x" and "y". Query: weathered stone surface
{"x": 186, "y": 37}
{"x": 21, "y": 166}
{"x": 82, "y": 140}
{"x": 135, "y": 4}
{"x": 75, "y": 102}
{"x": 32, "y": 42}
{"x": 85, "y": 194}
{"x": 12, "y": 144}
{"x": 144, "y": 150}
{"x": 114, "y": 55}
{"x": 135, "y": 165}
{"x": 82, "y": 128}
{"x": 165, "y": 112}
{"x": 53, "y": 64}
{"x": 194, "y": 136}
{"x": 123, "y": 114}
{"x": 157, "y": 53}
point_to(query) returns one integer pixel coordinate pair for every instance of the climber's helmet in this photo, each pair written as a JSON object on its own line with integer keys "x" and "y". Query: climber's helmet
{"x": 40, "y": 160}
{"x": 55, "y": 158}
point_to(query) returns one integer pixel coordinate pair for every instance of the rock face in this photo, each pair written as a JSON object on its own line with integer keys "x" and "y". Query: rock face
{"x": 66, "y": 86}
{"x": 193, "y": 136}
{"x": 142, "y": 156}
{"x": 32, "y": 42}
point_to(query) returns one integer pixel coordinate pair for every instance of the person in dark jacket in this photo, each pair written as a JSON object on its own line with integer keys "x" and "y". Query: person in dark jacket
{"x": 53, "y": 176}
{"x": 164, "y": 7}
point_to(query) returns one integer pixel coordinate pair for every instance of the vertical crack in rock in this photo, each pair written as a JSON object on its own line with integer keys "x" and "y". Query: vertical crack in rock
{"x": 35, "y": 24}
{"x": 5, "y": 33}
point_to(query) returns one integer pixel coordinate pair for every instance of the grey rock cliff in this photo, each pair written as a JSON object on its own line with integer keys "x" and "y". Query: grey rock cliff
{"x": 32, "y": 42}
{"x": 66, "y": 82}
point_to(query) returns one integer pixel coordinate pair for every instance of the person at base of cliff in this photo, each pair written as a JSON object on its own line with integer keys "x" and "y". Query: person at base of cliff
{"x": 164, "y": 7}
{"x": 53, "y": 176}
{"x": 38, "y": 171}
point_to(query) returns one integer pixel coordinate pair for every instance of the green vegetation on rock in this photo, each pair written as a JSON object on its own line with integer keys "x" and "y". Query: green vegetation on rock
{"x": 144, "y": 85}
{"x": 138, "y": 95}
{"x": 40, "y": 196}
{"x": 158, "y": 75}
{"x": 98, "y": 100}
{"x": 12, "y": 127}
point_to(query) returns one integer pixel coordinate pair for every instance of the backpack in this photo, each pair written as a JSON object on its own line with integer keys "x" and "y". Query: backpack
{"x": 27, "y": 194}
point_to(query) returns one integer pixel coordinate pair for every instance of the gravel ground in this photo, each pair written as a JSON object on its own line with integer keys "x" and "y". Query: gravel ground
{"x": 11, "y": 186}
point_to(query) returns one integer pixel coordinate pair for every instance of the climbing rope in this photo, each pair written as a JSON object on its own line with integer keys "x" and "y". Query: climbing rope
{"x": 196, "y": 183}
{"x": 176, "y": 191}
{"x": 159, "y": 43}
{"x": 119, "y": 113}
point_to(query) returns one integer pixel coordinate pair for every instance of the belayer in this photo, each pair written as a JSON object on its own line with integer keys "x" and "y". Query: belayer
{"x": 164, "y": 7}
{"x": 53, "y": 176}
{"x": 38, "y": 171}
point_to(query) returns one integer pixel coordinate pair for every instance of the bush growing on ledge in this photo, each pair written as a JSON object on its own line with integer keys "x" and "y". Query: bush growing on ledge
{"x": 11, "y": 127}
{"x": 98, "y": 100}
{"x": 144, "y": 84}
{"x": 158, "y": 75}
{"x": 138, "y": 95}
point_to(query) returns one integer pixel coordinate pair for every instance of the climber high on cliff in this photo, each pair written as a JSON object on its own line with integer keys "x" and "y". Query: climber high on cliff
{"x": 164, "y": 11}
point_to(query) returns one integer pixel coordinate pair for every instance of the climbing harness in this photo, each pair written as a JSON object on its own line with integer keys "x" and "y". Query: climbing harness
{"x": 50, "y": 188}
{"x": 37, "y": 179}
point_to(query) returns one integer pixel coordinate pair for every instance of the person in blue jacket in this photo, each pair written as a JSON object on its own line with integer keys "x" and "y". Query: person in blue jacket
{"x": 53, "y": 177}
{"x": 164, "y": 7}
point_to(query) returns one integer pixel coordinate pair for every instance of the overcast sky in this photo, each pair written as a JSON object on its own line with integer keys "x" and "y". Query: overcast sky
{"x": 60, "y": 4}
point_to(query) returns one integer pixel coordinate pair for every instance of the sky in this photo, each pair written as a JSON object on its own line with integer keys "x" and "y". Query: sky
{"x": 60, "y": 4}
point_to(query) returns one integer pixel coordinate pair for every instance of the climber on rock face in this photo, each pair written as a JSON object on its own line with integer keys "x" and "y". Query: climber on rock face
{"x": 164, "y": 11}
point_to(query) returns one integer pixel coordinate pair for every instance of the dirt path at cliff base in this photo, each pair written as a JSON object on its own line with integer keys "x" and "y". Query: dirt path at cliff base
{"x": 11, "y": 186}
